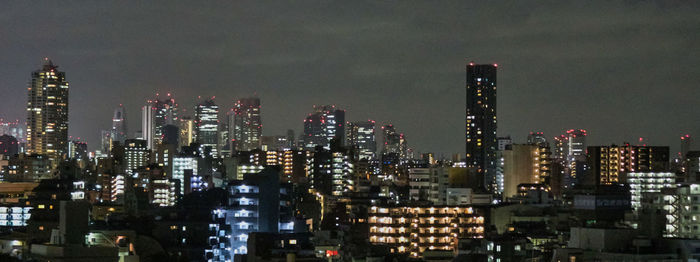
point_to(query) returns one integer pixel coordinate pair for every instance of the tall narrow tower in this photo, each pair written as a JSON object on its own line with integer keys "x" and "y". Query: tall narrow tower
{"x": 47, "y": 113}
{"x": 481, "y": 143}
{"x": 119, "y": 131}
{"x": 247, "y": 125}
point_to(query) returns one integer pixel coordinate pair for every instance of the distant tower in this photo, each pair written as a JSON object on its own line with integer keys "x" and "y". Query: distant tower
{"x": 155, "y": 115}
{"x": 686, "y": 142}
{"x": 47, "y": 113}
{"x": 362, "y": 139}
{"x": 119, "y": 131}
{"x": 481, "y": 124}
{"x": 206, "y": 121}
{"x": 247, "y": 124}
{"x": 324, "y": 124}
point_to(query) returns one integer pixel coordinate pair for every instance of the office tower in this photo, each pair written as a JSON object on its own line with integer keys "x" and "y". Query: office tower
{"x": 609, "y": 164}
{"x": 524, "y": 164}
{"x": 245, "y": 128}
{"x": 155, "y": 115}
{"x": 171, "y": 135}
{"x": 323, "y": 125}
{"x": 362, "y": 140}
{"x": 119, "y": 131}
{"x": 9, "y": 146}
{"x": 571, "y": 146}
{"x": 186, "y": 126}
{"x": 392, "y": 140}
{"x": 47, "y": 113}
{"x": 481, "y": 122}
{"x": 686, "y": 142}
{"x": 105, "y": 142}
{"x": 258, "y": 203}
{"x": 136, "y": 154}
{"x": 570, "y": 154}
{"x": 206, "y": 121}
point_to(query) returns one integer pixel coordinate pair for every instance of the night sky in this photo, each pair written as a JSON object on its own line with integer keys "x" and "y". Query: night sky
{"x": 621, "y": 70}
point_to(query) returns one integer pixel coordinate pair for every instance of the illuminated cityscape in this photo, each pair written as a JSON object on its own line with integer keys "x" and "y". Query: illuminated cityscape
{"x": 393, "y": 131}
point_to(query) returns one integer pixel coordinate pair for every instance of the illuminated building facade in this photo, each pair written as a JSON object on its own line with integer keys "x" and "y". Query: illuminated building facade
{"x": 245, "y": 126}
{"x": 258, "y": 203}
{"x": 609, "y": 163}
{"x": 206, "y": 121}
{"x": 136, "y": 154}
{"x": 570, "y": 154}
{"x": 362, "y": 139}
{"x": 13, "y": 128}
{"x": 481, "y": 143}
{"x": 525, "y": 164}
{"x": 503, "y": 142}
{"x": 181, "y": 165}
{"x": 323, "y": 125}
{"x": 416, "y": 229}
{"x": 155, "y": 115}
{"x": 163, "y": 192}
{"x": 47, "y": 113}
{"x": 681, "y": 207}
{"x": 648, "y": 182}
{"x": 186, "y": 128}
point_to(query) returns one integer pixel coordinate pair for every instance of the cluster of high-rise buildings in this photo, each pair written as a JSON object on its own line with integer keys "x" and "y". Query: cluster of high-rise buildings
{"x": 209, "y": 186}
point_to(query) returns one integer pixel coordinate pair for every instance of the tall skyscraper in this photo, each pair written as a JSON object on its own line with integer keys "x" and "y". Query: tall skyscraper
{"x": 362, "y": 139}
{"x": 119, "y": 131}
{"x": 47, "y": 113}
{"x": 481, "y": 122}
{"x": 324, "y": 124}
{"x": 186, "y": 127}
{"x": 246, "y": 124}
{"x": 570, "y": 154}
{"x": 155, "y": 115}
{"x": 686, "y": 142}
{"x": 206, "y": 121}
{"x": 392, "y": 140}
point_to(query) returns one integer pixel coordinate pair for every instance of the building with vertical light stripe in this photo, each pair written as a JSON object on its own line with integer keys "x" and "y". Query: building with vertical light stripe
{"x": 47, "y": 113}
{"x": 206, "y": 121}
{"x": 481, "y": 143}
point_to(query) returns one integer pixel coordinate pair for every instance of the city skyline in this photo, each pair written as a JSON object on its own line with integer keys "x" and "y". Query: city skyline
{"x": 606, "y": 76}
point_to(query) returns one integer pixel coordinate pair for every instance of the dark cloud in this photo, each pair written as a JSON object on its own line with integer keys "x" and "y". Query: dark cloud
{"x": 621, "y": 69}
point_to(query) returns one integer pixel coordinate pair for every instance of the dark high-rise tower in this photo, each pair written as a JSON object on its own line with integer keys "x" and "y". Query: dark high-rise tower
{"x": 323, "y": 125}
{"x": 47, "y": 113}
{"x": 119, "y": 131}
{"x": 481, "y": 122}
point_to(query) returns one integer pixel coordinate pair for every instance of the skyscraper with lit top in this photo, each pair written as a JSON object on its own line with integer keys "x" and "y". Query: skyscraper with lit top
{"x": 47, "y": 113}
{"x": 481, "y": 144}
{"x": 324, "y": 124}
